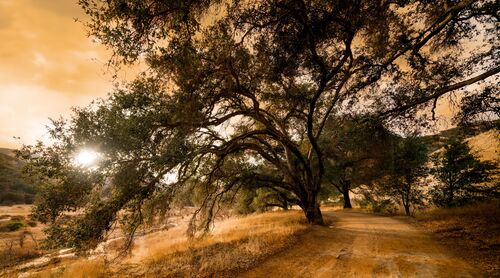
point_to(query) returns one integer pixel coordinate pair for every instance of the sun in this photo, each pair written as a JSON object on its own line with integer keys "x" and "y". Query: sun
{"x": 86, "y": 157}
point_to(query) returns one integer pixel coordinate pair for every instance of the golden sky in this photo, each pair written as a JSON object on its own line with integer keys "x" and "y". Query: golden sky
{"x": 47, "y": 65}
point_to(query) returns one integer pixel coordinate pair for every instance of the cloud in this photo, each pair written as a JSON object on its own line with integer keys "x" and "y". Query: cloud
{"x": 47, "y": 64}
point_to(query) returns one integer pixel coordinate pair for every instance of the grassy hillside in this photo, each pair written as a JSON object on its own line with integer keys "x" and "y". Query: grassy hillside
{"x": 14, "y": 189}
{"x": 486, "y": 145}
{"x": 466, "y": 133}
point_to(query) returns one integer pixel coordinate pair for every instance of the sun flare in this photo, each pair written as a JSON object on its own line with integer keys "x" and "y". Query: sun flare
{"x": 86, "y": 157}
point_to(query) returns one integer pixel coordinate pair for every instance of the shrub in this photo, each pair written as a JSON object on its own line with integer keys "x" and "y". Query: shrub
{"x": 11, "y": 226}
{"x": 376, "y": 203}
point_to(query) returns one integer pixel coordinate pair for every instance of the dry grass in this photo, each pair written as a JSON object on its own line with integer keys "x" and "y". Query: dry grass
{"x": 235, "y": 244}
{"x": 20, "y": 244}
{"x": 473, "y": 232}
{"x": 486, "y": 145}
{"x": 23, "y": 210}
{"x": 11, "y": 254}
{"x": 81, "y": 269}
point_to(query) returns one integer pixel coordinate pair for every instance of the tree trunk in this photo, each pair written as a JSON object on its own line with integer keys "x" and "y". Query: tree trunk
{"x": 450, "y": 196}
{"x": 406, "y": 205}
{"x": 345, "y": 192}
{"x": 314, "y": 216}
{"x": 310, "y": 205}
{"x": 407, "y": 210}
{"x": 285, "y": 205}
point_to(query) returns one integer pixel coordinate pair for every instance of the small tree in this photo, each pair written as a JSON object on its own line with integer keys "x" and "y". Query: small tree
{"x": 408, "y": 171}
{"x": 461, "y": 176}
{"x": 356, "y": 151}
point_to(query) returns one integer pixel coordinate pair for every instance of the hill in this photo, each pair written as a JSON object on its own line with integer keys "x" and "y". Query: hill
{"x": 14, "y": 189}
{"x": 483, "y": 138}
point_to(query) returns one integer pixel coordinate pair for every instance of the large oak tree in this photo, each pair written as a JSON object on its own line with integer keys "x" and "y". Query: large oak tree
{"x": 232, "y": 85}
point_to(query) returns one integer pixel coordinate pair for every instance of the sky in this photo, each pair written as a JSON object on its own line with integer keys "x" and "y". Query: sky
{"x": 47, "y": 66}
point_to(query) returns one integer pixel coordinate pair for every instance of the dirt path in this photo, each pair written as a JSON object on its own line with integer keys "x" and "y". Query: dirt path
{"x": 364, "y": 245}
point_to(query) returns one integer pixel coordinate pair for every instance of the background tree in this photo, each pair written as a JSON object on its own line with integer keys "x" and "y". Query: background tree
{"x": 231, "y": 85}
{"x": 408, "y": 171}
{"x": 461, "y": 175}
{"x": 357, "y": 151}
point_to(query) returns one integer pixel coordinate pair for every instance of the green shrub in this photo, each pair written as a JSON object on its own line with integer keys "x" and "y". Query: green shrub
{"x": 11, "y": 226}
{"x": 384, "y": 206}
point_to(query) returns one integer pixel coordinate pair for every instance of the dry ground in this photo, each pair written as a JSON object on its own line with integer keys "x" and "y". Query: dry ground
{"x": 365, "y": 245}
{"x": 471, "y": 232}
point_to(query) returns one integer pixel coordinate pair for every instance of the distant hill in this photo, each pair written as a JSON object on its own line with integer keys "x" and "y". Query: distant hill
{"x": 7, "y": 151}
{"x": 486, "y": 144}
{"x": 14, "y": 189}
{"x": 479, "y": 136}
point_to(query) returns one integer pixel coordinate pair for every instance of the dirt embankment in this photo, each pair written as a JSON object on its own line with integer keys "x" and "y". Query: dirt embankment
{"x": 365, "y": 245}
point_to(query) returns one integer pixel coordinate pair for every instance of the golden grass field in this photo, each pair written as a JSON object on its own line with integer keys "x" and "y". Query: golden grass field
{"x": 20, "y": 245}
{"x": 234, "y": 245}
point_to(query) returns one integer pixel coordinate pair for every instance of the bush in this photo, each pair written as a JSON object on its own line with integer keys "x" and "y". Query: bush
{"x": 376, "y": 203}
{"x": 11, "y": 226}
{"x": 384, "y": 206}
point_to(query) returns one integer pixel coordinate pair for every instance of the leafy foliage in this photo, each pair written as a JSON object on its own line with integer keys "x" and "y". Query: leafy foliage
{"x": 357, "y": 151}
{"x": 134, "y": 159}
{"x": 407, "y": 176}
{"x": 462, "y": 176}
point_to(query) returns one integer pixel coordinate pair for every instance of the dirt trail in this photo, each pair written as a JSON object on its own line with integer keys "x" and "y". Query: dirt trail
{"x": 364, "y": 245}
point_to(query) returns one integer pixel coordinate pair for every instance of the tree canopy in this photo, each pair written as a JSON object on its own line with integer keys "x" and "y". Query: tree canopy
{"x": 234, "y": 85}
{"x": 357, "y": 151}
